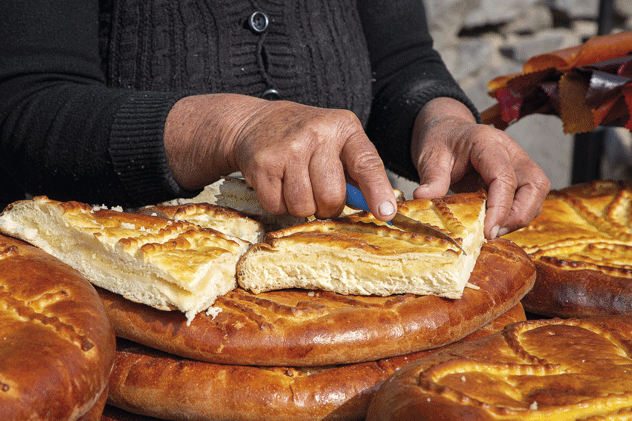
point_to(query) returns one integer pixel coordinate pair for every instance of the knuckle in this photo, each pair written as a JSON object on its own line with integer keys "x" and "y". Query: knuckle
{"x": 331, "y": 200}
{"x": 366, "y": 162}
{"x": 302, "y": 210}
{"x": 508, "y": 180}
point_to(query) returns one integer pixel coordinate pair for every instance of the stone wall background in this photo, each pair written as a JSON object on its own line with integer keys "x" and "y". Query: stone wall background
{"x": 482, "y": 39}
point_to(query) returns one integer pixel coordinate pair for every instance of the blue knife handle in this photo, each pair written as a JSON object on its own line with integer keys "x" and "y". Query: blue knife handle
{"x": 355, "y": 198}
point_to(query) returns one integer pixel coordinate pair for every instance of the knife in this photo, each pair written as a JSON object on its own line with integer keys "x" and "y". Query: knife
{"x": 355, "y": 199}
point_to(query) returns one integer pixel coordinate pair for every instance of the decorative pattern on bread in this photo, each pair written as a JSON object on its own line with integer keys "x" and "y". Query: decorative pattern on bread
{"x": 572, "y": 369}
{"x": 581, "y": 244}
{"x": 360, "y": 255}
{"x": 225, "y": 220}
{"x": 56, "y": 342}
{"x": 160, "y": 262}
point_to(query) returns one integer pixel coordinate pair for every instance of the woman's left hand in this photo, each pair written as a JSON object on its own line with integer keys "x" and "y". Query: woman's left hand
{"x": 451, "y": 151}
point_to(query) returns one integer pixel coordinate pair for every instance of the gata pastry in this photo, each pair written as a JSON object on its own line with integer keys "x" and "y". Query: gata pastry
{"x": 160, "y": 262}
{"x": 551, "y": 369}
{"x": 357, "y": 254}
{"x": 581, "y": 244}
{"x": 57, "y": 345}
{"x": 234, "y": 192}
{"x": 206, "y": 215}
{"x": 152, "y": 383}
{"x": 299, "y": 327}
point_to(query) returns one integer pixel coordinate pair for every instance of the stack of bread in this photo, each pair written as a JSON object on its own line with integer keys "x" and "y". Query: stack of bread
{"x": 573, "y": 359}
{"x": 221, "y": 314}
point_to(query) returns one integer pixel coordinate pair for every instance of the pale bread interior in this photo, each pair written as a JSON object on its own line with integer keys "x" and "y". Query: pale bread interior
{"x": 361, "y": 257}
{"x": 234, "y": 192}
{"x": 222, "y": 219}
{"x": 159, "y": 262}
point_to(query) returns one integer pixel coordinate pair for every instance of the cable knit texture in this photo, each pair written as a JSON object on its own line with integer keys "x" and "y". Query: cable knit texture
{"x": 202, "y": 47}
{"x": 86, "y": 85}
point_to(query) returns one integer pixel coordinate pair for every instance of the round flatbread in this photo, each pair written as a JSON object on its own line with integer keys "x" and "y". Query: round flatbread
{"x": 581, "y": 245}
{"x": 314, "y": 328}
{"x": 156, "y": 384}
{"x": 57, "y": 346}
{"x": 555, "y": 369}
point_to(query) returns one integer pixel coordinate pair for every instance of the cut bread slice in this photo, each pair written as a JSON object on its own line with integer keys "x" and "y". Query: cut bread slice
{"x": 224, "y": 220}
{"x": 160, "y": 262}
{"x": 362, "y": 256}
{"x": 235, "y": 193}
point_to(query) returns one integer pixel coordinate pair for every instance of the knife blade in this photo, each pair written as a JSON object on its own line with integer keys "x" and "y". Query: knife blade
{"x": 356, "y": 200}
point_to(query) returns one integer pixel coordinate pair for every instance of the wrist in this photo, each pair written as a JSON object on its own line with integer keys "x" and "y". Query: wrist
{"x": 199, "y": 137}
{"x": 441, "y": 120}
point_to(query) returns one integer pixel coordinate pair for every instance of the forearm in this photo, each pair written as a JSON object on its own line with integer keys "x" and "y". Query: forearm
{"x": 85, "y": 142}
{"x": 63, "y": 132}
{"x": 200, "y": 132}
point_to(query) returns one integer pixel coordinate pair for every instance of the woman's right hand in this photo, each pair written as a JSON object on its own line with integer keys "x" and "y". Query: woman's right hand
{"x": 296, "y": 157}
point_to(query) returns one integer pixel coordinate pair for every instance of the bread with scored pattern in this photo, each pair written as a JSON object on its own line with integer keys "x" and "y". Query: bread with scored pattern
{"x": 160, "y": 262}
{"x": 581, "y": 244}
{"x": 358, "y": 254}
{"x": 299, "y": 327}
{"x": 550, "y": 369}
{"x": 153, "y": 383}
{"x": 56, "y": 342}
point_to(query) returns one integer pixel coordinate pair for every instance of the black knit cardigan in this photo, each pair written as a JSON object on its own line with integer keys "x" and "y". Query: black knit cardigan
{"x": 86, "y": 85}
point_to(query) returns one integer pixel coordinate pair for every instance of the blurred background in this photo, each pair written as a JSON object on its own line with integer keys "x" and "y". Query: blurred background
{"x": 482, "y": 39}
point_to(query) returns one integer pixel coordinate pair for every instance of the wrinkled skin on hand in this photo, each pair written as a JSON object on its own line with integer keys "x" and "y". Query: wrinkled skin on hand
{"x": 296, "y": 157}
{"x": 451, "y": 151}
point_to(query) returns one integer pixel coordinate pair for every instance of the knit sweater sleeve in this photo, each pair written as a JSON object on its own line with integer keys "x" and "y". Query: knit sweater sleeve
{"x": 408, "y": 73}
{"x": 63, "y": 132}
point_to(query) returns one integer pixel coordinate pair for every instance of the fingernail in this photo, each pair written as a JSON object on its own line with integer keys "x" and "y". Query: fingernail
{"x": 386, "y": 209}
{"x": 494, "y": 232}
{"x": 502, "y": 232}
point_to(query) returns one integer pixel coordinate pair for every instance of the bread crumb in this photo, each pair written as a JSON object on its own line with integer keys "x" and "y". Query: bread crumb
{"x": 534, "y": 406}
{"x": 213, "y": 311}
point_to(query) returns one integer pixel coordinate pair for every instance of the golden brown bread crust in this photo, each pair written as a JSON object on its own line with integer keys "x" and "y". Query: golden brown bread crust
{"x": 360, "y": 255}
{"x": 301, "y": 328}
{"x": 149, "y": 259}
{"x": 581, "y": 245}
{"x": 96, "y": 412}
{"x": 57, "y": 346}
{"x": 562, "y": 369}
{"x": 153, "y": 383}
{"x": 225, "y": 220}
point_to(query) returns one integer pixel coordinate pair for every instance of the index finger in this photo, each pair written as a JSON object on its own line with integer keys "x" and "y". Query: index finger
{"x": 533, "y": 186}
{"x": 495, "y": 167}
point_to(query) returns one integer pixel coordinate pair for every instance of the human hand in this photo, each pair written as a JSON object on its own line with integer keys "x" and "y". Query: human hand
{"x": 297, "y": 158}
{"x": 452, "y": 151}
